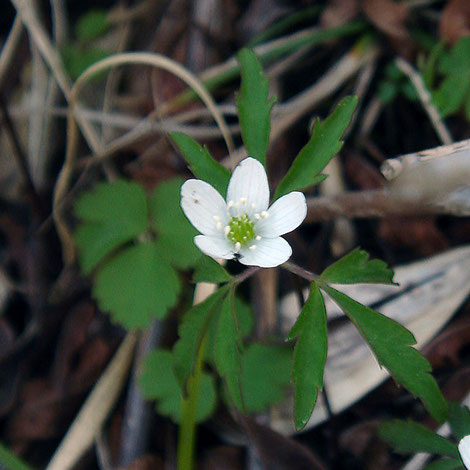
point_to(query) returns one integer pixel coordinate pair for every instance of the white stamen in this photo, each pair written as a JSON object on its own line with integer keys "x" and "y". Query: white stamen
{"x": 244, "y": 239}
{"x": 243, "y": 200}
{"x": 236, "y": 204}
{"x": 216, "y": 218}
{"x": 227, "y": 230}
{"x": 264, "y": 215}
{"x": 230, "y": 203}
{"x": 252, "y": 247}
{"x": 253, "y": 205}
{"x": 219, "y": 225}
{"x": 258, "y": 237}
{"x": 257, "y": 216}
{"x": 238, "y": 245}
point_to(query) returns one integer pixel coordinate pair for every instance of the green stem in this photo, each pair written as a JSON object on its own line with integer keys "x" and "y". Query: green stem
{"x": 187, "y": 429}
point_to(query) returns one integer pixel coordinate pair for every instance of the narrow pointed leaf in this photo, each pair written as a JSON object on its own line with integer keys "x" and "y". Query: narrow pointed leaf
{"x": 191, "y": 331}
{"x": 324, "y": 144}
{"x": 254, "y": 108}
{"x": 391, "y": 344}
{"x": 201, "y": 163}
{"x": 208, "y": 270}
{"x": 355, "y": 268}
{"x": 459, "y": 420}
{"x": 309, "y": 355}
{"x": 227, "y": 349}
{"x": 408, "y": 437}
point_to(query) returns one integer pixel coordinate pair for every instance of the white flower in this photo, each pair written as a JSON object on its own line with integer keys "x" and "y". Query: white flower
{"x": 464, "y": 449}
{"x": 244, "y": 226}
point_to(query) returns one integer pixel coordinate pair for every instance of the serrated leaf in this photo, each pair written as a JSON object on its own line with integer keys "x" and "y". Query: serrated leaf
{"x": 136, "y": 286}
{"x": 93, "y": 24}
{"x": 355, "y": 268}
{"x": 451, "y": 93}
{"x": 111, "y": 214}
{"x": 192, "y": 330}
{"x": 208, "y": 270}
{"x": 254, "y": 108}
{"x": 309, "y": 355}
{"x": 408, "y": 437}
{"x": 459, "y": 420}
{"x": 265, "y": 377}
{"x": 227, "y": 349}
{"x": 391, "y": 344}
{"x": 158, "y": 382}
{"x": 445, "y": 464}
{"x": 201, "y": 163}
{"x": 324, "y": 144}
{"x": 175, "y": 233}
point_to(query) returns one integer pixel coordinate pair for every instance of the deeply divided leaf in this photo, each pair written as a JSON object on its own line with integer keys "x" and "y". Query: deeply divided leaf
{"x": 208, "y": 270}
{"x": 192, "y": 330}
{"x": 111, "y": 214}
{"x": 254, "y": 107}
{"x": 356, "y": 268}
{"x": 174, "y": 232}
{"x": 201, "y": 163}
{"x": 265, "y": 378}
{"x": 227, "y": 349}
{"x": 391, "y": 343}
{"x": 158, "y": 382}
{"x": 408, "y": 437}
{"x": 459, "y": 420}
{"x": 309, "y": 355}
{"x": 136, "y": 286}
{"x": 324, "y": 144}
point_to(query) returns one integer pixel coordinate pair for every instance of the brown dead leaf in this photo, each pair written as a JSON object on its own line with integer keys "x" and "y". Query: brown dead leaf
{"x": 146, "y": 462}
{"x": 222, "y": 458}
{"x": 455, "y": 21}
{"x": 339, "y": 12}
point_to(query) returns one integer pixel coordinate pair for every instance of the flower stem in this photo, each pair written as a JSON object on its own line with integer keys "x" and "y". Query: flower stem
{"x": 301, "y": 272}
{"x": 187, "y": 428}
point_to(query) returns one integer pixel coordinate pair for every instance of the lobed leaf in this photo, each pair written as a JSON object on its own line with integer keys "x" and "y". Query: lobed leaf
{"x": 208, "y": 270}
{"x": 192, "y": 330}
{"x": 158, "y": 382}
{"x": 324, "y": 144}
{"x": 137, "y": 285}
{"x": 391, "y": 343}
{"x": 111, "y": 214}
{"x": 408, "y": 437}
{"x": 459, "y": 420}
{"x": 201, "y": 163}
{"x": 355, "y": 268}
{"x": 227, "y": 349}
{"x": 309, "y": 355}
{"x": 175, "y": 233}
{"x": 254, "y": 107}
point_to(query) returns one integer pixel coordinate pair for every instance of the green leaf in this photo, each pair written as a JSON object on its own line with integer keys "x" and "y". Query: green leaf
{"x": 387, "y": 91}
{"x": 158, "y": 382}
{"x": 459, "y": 420}
{"x": 309, "y": 355}
{"x": 324, "y": 144}
{"x": 208, "y": 270}
{"x": 227, "y": 349}
{"x": 111, "y": 214}
{"x": 136, "y": 286}
{"x": 201, "y": 163}
{"x": 451, "y": 93}
{"x": 467, "y": 106}
{"x": 192, "y": 330}
{"x": 10, "y": 461}
{"x": 77, "y": 59}
{"x": 266, "y": 372}
{"x": 445, "y": 464}
{"x": 175, "y": 233}
{"x": 408, "y": 437}
{"x": 254, "y": 108}
{"x": 457, "y": 60}
{"x": 391, "y": 344}
{"x": 355, "y": 268}
{"x": 92, "y": 25}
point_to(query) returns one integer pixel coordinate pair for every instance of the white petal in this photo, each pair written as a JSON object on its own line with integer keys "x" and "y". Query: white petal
{"x": 204, "y": 207}
{"x": 269, "y": 252}
{"x": 249, "y": 187}
{"x": 214, "y": 246}
{"x": 464, "y": 449}
{"x": 285, "y": 215}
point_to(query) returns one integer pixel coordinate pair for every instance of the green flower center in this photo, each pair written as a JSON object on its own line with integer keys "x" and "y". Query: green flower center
{"x": 241, "y": 229}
